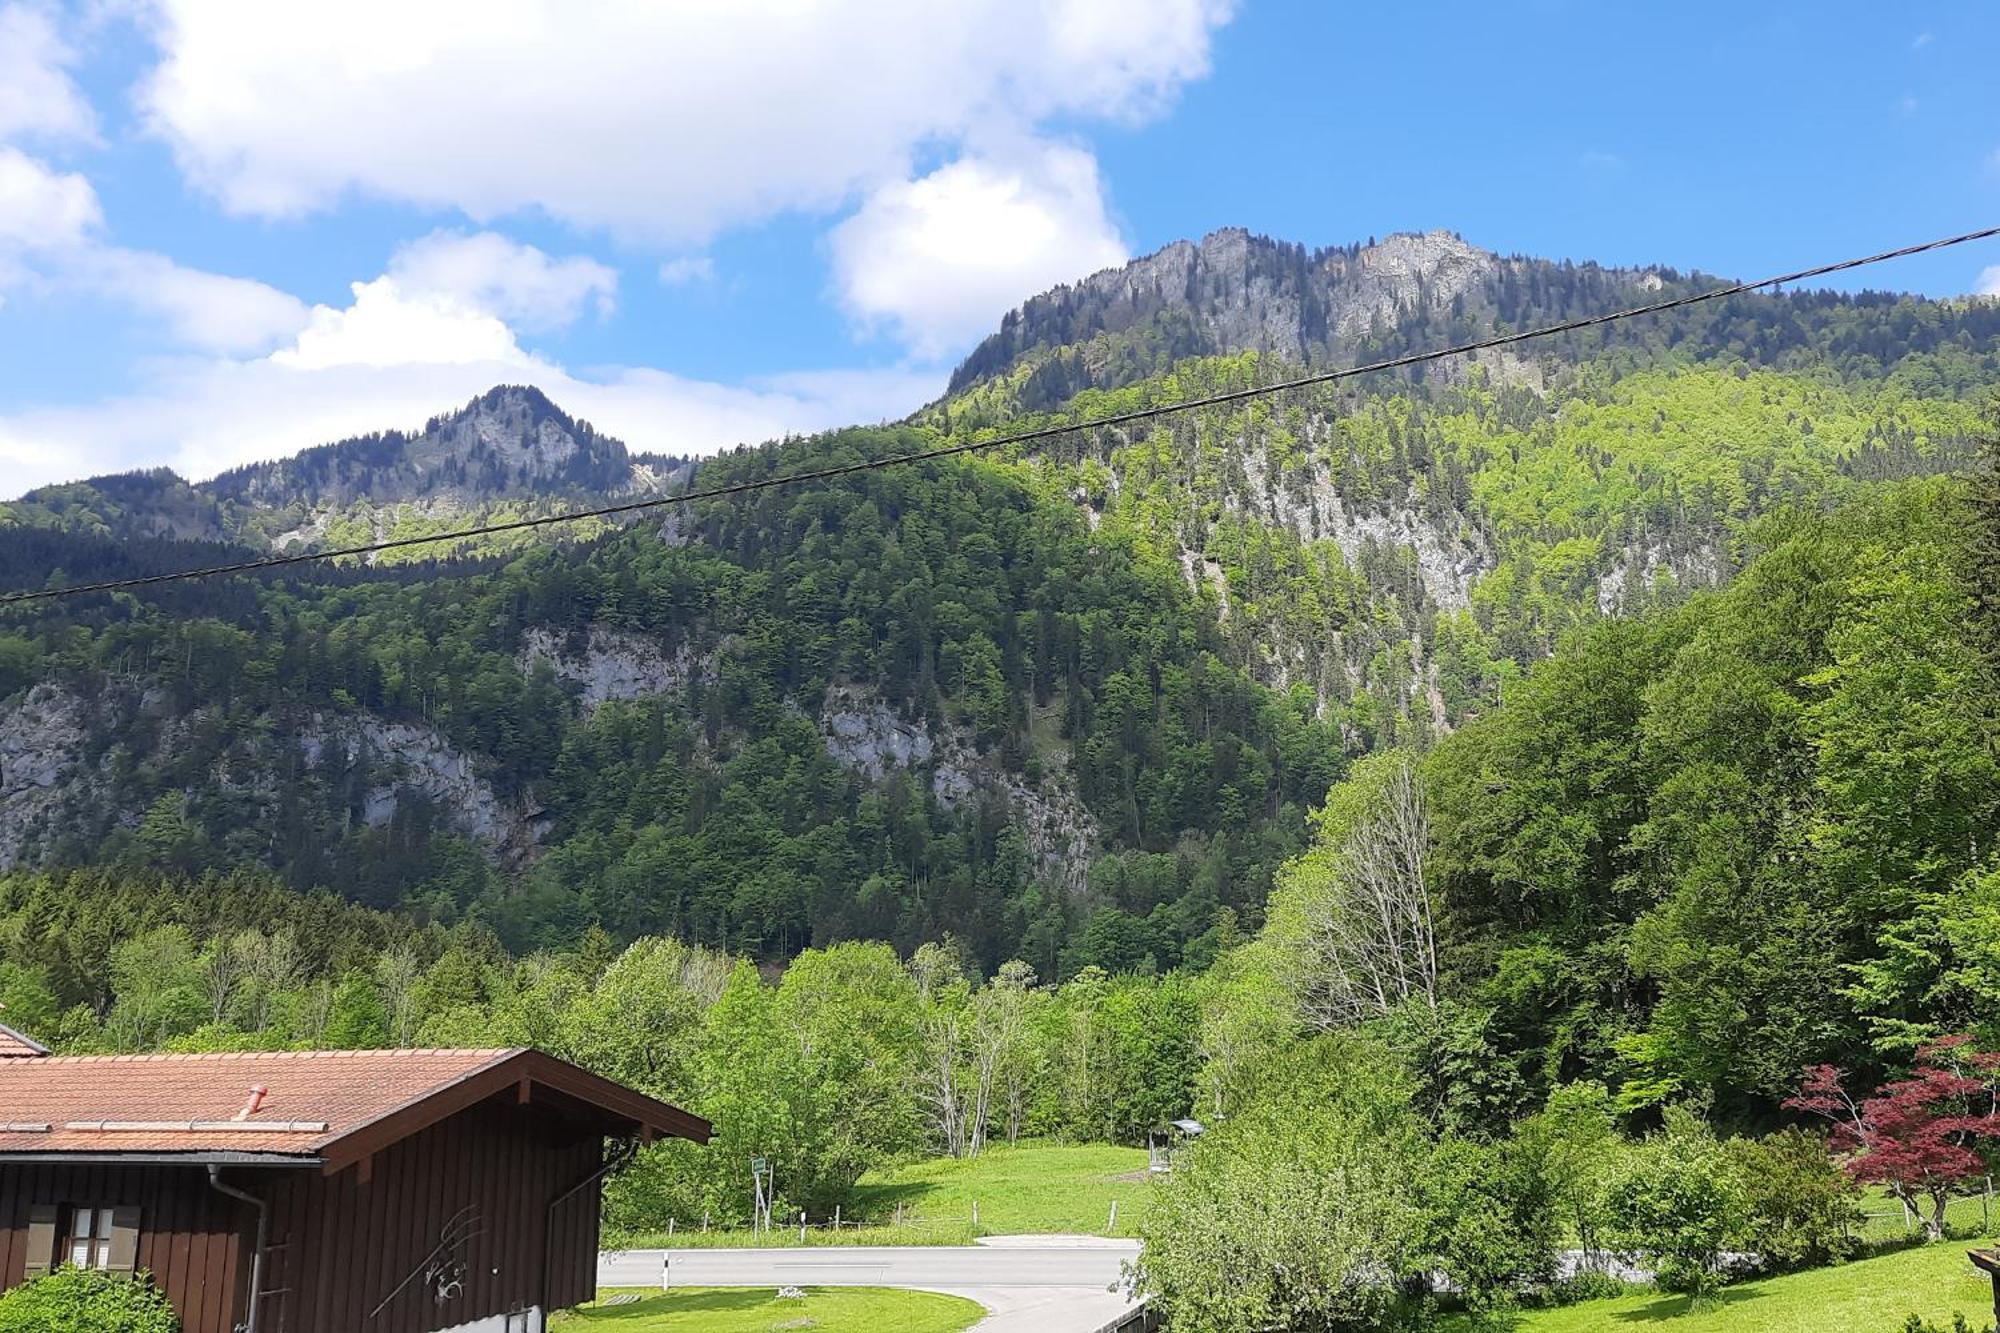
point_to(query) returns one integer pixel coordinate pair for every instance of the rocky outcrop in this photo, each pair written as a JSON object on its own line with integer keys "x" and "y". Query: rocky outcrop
{"x": 400, "y": 758}
{"x": 42, "y": 737}
{"x": 867, "y": 737}
{"x": 615, "y": 664}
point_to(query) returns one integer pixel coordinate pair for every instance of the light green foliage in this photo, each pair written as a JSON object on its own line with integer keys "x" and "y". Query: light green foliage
{"x": 76, "y": 1300}
{"x": 1299, "y": 1211}
{"x": 1679, "y": 1198}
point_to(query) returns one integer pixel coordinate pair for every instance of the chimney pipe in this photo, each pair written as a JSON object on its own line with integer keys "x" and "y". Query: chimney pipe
{"x": 257, "y": 1094}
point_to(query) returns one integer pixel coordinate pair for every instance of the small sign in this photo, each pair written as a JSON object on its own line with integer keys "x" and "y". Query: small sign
{"x": 758, "y": 1166}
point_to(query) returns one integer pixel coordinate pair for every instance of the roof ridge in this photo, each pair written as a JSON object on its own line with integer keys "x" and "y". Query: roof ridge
{"x": 191, "y": 1057}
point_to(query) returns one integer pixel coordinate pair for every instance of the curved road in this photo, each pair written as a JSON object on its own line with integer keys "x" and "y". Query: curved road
{"x": 1029, "y": 1284}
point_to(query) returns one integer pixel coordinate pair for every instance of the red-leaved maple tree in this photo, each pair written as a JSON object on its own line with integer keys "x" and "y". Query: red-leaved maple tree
{"x": 1917, "y": 1136}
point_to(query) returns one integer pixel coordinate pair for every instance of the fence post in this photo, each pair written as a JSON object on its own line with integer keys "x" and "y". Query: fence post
{"x": 1111, "y": 1223}
{"x": 836, "y": 1219}
{"x": 802, "y": 1226}
{"x": 975, "y": 1213}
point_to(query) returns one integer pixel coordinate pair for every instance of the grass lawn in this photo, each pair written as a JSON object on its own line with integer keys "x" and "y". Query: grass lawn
{"x": 760, "y": 1310}
{"x": 1866, "y": 1296}
{"x": 1034, "y": 1187}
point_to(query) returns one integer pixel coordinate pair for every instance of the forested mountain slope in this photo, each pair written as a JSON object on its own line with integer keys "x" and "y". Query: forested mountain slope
{"x": 1071, "y": 706}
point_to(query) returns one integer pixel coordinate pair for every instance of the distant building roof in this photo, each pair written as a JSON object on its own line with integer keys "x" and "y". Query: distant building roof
{"x": 18, "y": 1045}
{"x": 322, "y": 1107}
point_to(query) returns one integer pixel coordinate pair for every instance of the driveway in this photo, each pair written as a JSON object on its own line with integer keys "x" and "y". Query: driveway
{"x": 1029, "y": 1284}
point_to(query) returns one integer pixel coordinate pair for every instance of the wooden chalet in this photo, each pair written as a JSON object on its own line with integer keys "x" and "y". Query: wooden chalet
{"x": 405, "y": 1191}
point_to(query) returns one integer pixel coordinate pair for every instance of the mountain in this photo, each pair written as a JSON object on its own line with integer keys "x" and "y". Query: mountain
{"x": 1070, "y": 704}
{"x": 511, "y": 445}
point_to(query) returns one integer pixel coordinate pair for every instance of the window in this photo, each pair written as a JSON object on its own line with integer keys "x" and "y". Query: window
{"x": 89, "y": 1238}
{"x": 82, "y": 1235}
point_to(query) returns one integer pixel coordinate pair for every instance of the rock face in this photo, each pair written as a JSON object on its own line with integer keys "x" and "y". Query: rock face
{"x": 41, "y": 749}
{"x": 867, "y": 737}
{"x": 401, "y": 758}
{"x": 1236, "y": 292}
{"x": 615, "y": 664}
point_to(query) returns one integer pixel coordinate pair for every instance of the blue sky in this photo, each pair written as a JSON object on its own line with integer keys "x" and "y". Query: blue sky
{"x": 228, "y": 232}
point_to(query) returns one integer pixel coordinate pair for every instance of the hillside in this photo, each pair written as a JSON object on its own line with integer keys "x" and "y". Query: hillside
{"x": 1072, "y": 706}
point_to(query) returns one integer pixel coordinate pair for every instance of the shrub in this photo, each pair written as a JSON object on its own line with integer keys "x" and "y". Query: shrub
{"x": 1679, "y": 1199}
{"x": 1803, "y": 1207}
{"x": 1304, "y": 1211}
{"x": 83, "y": 1300}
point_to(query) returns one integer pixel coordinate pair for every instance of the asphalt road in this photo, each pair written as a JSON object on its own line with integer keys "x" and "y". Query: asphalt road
{"x": 1029, "y": 1287}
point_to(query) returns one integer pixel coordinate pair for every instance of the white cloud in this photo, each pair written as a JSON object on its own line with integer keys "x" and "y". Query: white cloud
{"x": 210, "y": 311}
{"x": 37, "y": 95}
{"x": 387, "y": 326}
{"x": 1989, "y": 282}
{"x": 50, "y": 231}
{"x": 394, "y": 358}
{"x": 685, "y": 269}
{"x": 941, "y": 258}
{"x": 666, "y": 122}
{"x": 517, "y": 282}
{"x": 40, "y": 208}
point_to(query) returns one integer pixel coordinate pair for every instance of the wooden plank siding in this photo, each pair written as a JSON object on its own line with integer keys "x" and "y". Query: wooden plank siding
{"x": 336, "y": 1248}
{"x": 189, "y": 1236}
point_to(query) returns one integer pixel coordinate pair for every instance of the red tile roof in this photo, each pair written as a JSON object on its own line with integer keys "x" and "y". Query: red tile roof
{"x": 15, "y": 1045}
{"x": 342, "y": 1089}
{"x": 315, "y": 1100}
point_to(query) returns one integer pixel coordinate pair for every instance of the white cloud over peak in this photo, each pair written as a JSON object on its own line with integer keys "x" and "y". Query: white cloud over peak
{"x": 37, "y": 95}
{"x": 389, "y": 326}
{"x": 517, "y": 282}
{"x": 663, "y": 122}
{"x": 1989, "y": 282}
{"x": 394, "y": 357}
{"x": 940, "y": 259}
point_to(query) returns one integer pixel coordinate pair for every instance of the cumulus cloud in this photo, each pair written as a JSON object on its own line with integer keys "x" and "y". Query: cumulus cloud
{"x": 1989, "y": 282}
{"x": 939, "y": 259}
{"x": 50, "y": 232}
{"x": 37, "y": 95}
{"x": 41, "y": 208}
{"x": 665, "y": 122}
{"x": 394, "y": 357}
{"x": 517, "y": 282}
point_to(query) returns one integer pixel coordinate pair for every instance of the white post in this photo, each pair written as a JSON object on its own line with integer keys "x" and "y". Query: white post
{"x": 975, "y": 1212}
{"x": 1111, "y": 1224}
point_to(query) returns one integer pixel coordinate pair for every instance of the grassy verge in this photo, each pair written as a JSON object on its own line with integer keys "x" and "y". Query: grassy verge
{"x": 1035, "y": 1187}
{"x": 759, "y": 1310}
{"x": 1866, "y": 1296}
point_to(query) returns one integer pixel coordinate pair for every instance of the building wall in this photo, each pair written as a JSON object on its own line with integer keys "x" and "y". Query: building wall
{"x": 195, "y": 1242}
{"x": 449, "y": 1230}
{"x": 461, "y": 1210}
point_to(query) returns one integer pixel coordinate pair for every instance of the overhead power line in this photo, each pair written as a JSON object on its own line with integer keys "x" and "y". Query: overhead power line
{"x": 1005, "y": 441}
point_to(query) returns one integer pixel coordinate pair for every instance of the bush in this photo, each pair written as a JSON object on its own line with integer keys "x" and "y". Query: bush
{"x": 1679, "y": 1199}
{"x": 1301, "y": 1212}
{"x": 83, "y": 1300}
{"x": 1804, "y": 1210}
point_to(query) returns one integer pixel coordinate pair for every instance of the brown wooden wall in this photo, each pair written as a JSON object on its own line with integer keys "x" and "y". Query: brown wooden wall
{"x": 338, "y": 1247}
{"x": 195, "y": 1242}
{"x": 335, "y": 1247}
